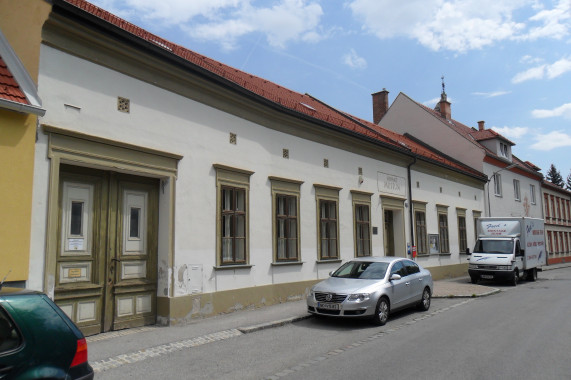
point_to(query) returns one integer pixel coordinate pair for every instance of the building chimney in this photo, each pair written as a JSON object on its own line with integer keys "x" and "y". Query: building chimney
{"x": 444, "y": 107}
{"x": 380, "y": 105}
{"x": 481, "y": 126}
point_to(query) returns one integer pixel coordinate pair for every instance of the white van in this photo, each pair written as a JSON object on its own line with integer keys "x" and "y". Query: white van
{"x": 508, "y": 248}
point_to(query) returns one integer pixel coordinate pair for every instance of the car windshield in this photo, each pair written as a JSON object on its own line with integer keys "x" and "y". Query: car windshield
{"x": 494, "y": 246}
{"x": 362, "y": 270}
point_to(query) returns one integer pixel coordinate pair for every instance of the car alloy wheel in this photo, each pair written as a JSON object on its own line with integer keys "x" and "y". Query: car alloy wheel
{"x": 424, "y": 304}
{"x": 382, "y": 312}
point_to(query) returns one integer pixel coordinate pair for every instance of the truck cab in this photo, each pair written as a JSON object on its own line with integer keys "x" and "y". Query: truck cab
{"x": 496, "y": 258}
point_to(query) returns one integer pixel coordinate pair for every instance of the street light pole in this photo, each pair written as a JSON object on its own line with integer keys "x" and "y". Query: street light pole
{"x": 489, "y": 179}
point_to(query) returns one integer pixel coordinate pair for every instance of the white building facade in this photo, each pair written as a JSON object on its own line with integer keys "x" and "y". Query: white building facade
{"x": 166, "y": 189}
{"x": 513, "y": 187}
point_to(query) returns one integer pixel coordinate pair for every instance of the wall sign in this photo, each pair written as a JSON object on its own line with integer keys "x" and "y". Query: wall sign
{"x": 391, "y": 184}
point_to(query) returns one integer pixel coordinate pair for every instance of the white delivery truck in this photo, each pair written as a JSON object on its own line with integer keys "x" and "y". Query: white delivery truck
{"x": 508, "y": 248}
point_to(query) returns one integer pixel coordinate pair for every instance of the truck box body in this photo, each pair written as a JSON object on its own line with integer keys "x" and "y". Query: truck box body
{"x": 508, "y": 248}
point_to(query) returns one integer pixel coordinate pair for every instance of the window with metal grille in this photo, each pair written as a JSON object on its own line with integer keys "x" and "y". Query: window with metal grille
{"x": 462, "y": 238}
{"x": 363, "y": 230}
{"x": 328, "y": 230}
{"x": 287, "y": 239}
{"x": 421, "y": 237}
{"x": 443, "y": 233}
{"x": 233, "y": 222}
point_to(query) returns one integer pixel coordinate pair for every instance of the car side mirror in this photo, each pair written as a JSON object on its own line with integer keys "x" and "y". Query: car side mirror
{"x": 330, "y": 273}
{"x": 395, "y": 277}
{"x": 468, "y": 252}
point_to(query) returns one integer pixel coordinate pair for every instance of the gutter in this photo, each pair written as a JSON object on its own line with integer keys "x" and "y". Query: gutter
{"x": 410, "y": 215}
{"x": 23, "y": 108}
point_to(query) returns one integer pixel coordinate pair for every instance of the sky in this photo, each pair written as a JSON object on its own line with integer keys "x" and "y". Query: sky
{"x": 506, "y": 62}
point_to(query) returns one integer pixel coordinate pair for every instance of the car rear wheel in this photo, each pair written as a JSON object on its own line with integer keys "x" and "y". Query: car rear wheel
{"x": 532, "y": 274}
{"x": 382, "y": 311}
{"x": 424, "y": 304}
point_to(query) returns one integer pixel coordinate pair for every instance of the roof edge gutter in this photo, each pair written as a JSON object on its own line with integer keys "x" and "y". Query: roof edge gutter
{"x": 23, "y": 108}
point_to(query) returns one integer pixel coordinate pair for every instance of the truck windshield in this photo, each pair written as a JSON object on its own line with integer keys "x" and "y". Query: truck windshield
{"x": 494, "y": 246}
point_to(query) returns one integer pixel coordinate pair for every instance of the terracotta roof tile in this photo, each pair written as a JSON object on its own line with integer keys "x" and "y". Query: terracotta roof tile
{"x": 300, "y": 103}
{"x": 475, "y": 136}
{"x": 9, "y": 87}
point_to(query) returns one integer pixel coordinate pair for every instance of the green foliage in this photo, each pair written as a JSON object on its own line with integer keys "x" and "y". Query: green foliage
{"x": 554, "y": 176}
{"x": 568, "y": 185}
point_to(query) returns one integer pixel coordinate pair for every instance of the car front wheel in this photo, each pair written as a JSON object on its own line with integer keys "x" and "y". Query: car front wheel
{"x": 382, "y": 311}
{"x": 424, "y": 304}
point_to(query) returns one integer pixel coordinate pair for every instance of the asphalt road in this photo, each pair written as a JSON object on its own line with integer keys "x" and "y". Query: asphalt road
{"x": 521, "y": 332}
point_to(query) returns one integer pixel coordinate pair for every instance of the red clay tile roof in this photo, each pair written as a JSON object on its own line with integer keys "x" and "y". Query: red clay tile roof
{"x": 9, "y": 87}
{"x": 488, "y": 134}
{"x": 475, "y": 136}
{"x": 300, "y": 103}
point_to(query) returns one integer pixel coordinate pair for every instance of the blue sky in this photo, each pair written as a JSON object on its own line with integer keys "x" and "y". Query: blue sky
{"x": 507, "y": 62}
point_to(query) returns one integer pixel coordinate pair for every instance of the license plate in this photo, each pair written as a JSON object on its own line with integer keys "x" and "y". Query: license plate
{"x": 487, "y": 276}
{"x": 328, "y": 306}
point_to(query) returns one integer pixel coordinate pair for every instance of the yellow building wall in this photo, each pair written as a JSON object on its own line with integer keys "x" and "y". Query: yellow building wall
{"x": 21, "y": 22}
{"x": 17, "y": 139}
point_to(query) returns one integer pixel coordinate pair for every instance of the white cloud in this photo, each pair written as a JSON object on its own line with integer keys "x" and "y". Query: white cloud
{"x": 551, "y": 140}
{"x": 353, "y": 60}
{"x": 491, "y": 94}
{"x": 556, "y": 22}
{"x": 462, "y": 25}
{"x": 512, "y": 132}
{"x": 544, "y": 71}
{"x": 225, "y": 21}
{"x": 561, "y": 111}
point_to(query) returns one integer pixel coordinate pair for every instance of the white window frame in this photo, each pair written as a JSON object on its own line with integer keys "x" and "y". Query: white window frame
{"x": 517, "y": 190}
{"x": 532, "y": 193}
{"x": 497, "y": 185}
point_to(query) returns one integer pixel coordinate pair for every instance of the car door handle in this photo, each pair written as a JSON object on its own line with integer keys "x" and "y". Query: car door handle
{"x": 408, "y": 284}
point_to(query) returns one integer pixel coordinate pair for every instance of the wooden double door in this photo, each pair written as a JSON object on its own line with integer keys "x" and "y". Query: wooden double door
{"x": 106, "y": 260}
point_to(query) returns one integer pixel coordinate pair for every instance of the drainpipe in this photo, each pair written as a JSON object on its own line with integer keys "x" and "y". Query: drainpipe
{"x": 410, "y": 215}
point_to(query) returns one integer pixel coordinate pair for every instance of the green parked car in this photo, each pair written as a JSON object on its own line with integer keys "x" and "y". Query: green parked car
{"x": 38, "y": 340}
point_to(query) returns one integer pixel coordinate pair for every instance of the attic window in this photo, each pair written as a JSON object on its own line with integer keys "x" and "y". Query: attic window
{"x": 308, "y": 106}
{"x": 504, "y": 150}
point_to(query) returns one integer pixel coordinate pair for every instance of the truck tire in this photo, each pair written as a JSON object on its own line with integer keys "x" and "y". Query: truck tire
{"x": 515, "y": 278}
{"x": 532, "y": 274}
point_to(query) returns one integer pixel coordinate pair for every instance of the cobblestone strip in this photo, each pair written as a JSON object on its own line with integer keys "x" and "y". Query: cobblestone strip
{"x": 340, "y": 351}
{"x": 115, "y": 334}
{"x": 152, "y": 352}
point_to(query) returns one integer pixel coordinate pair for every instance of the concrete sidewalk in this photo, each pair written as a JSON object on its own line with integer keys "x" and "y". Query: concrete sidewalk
{"x": 114, "y": 349}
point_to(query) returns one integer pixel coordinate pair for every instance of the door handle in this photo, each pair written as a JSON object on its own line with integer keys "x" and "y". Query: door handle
{"x": 408, "y": 284}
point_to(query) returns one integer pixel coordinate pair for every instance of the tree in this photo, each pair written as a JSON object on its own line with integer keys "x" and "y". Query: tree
{"x": 554, "y": 176}
{"x": 568, "y": 187}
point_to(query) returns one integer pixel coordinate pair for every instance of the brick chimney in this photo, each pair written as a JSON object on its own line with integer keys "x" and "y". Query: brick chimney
{"x": 380, "y": 105}
{"x": 481, "y": 124}
{"x": 444, "y": 107}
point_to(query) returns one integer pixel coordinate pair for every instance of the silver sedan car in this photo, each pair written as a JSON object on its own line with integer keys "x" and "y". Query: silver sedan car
{"x": 372, "y": 287}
